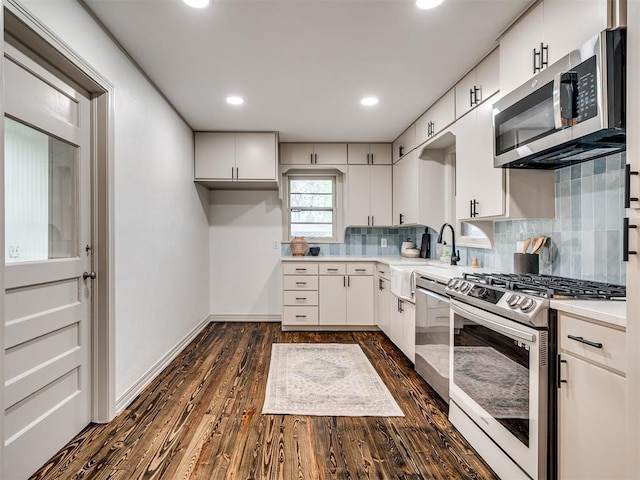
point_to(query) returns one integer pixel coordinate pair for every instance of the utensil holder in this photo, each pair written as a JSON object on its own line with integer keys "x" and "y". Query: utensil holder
{"x": 525, "y": 263}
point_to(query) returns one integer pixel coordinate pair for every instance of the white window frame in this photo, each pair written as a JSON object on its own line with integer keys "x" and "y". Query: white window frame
{"x": 338, "y": 208}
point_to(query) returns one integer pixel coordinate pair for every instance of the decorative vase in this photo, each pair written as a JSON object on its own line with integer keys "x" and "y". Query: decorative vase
{"x": 298, "y": 246}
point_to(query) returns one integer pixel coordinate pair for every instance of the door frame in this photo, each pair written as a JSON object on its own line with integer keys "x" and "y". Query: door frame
{"x": 26, "y": 29}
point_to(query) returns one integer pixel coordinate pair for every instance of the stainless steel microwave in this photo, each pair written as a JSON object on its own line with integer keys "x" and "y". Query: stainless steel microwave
{"x": 572, "y": 111}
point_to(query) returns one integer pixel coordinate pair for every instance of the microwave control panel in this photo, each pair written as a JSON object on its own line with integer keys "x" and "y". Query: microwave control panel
{"x": 587, "y": 90}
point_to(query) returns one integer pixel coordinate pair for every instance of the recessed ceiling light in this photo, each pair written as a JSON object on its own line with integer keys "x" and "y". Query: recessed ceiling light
{"x": 426, "y": 4}
{"x": 235, "y": 100}
{"x": 197, "y": 3}
{"x": 369, "y": 101}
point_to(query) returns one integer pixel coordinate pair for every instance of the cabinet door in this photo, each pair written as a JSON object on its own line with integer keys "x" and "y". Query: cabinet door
{"x": 332, "y": 299}
{"x": 330, "y": 153}
{"x": 488, "y": 76}
{"x": 296, "y": 153}
{"x": 404, "y": 143}
{"x": 215, "y": 155}
{"x": 358, "y": 153}
{"x": 409, "y": 330}
{"x": 516, "y": 50}
{"x": 591, "y": 422}
{"x": 256, "y": 156}
{"x": 360, "y": 300}
{"x": 588, "y": 18}
{"x": 382, "y": 305}
{"x": 359, "y": 186}
{"x": 464, "y": 93}
{"x": 380, "y": 195}
{"x": 476, "y": 179}
{"x": 405, "y": 190}
{"x": 395, "y": 322}
{"x": 380, "y": 153}
{"x": 439, "y": 116}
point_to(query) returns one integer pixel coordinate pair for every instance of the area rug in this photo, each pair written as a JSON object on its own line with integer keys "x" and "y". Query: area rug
{"x": 325, "y": 379}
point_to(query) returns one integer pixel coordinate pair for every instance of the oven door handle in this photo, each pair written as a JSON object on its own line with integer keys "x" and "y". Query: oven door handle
{"x": 435, "y": 295}
{"x": 499, "y": 327}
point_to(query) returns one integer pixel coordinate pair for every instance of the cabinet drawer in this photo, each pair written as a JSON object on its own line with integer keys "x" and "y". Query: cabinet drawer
{"x": 300, "y": 298}
{"x": 359, "y": 269}
{"x": 332, "y": 269}
{"x": 300, "y": 316}
{"x": 612, "y": 354}
{"x": 383, "y": 271}
{"x": 300, "y": 282}
{"x": 300, "y": 268}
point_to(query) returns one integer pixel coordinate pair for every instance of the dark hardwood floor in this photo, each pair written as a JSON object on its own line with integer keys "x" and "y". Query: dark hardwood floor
{"x": 201, "y": 419}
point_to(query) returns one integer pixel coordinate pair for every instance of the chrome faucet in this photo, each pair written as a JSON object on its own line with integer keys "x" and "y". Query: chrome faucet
{"x": 455, "y": 255}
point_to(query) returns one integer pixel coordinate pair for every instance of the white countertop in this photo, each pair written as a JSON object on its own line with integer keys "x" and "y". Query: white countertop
{"x": 607, "y": 311}
{"x": 613, "y": 312}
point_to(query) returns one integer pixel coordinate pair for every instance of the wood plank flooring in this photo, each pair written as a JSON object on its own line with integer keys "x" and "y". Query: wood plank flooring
{"x": 200, "y": 419}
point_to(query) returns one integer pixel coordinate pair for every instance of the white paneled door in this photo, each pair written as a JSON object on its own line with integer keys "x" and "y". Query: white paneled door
{"x": 48, "y": 270}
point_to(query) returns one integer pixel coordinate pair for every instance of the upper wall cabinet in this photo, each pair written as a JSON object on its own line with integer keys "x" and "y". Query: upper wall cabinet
{"x": 439, "y": 116}
{"x": 369, "y": 153}
{"x": 479, "y": 84}
{"x": 486, "y": 193}
{"x": 313, "y": 153}
{"x": 243, "y": 158}
{"x": 545, "y": 34}
{"x": 370, "y": 196}
{"x": 404, "y": 143}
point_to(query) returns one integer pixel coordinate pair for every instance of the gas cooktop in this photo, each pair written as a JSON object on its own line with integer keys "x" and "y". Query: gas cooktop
{"x": 549, "y": 286}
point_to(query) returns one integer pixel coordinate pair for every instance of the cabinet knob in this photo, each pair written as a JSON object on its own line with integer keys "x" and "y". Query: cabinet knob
{"x": 91, "y": 275}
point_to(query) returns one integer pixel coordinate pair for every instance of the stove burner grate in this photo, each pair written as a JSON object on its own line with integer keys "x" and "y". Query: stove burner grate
{"x": 550, "y": 286}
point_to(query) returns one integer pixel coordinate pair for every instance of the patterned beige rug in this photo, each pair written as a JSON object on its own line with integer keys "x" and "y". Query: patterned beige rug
{"x": 325, "y": 379}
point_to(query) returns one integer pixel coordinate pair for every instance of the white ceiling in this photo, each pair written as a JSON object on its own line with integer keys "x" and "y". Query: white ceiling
{"x": 302, "y": 66}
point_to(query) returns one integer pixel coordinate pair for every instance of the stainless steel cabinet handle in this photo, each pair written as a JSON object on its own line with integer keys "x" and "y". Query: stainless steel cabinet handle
{"x": 586, "y": 342}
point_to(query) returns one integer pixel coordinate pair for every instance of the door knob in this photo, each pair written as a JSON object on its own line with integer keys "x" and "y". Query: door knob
{"x": 91, "y": 275}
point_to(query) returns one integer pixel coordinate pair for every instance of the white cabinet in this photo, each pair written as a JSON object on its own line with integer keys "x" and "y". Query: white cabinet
{"x": 300, "y": 294}
{"x": 360, "y": 300}
{"x": 224, "y": 156}
{"x": 418, "y": 189}
{"x": 547, "y": 33}
{"x": 479, "y": 84}
{"x": 402, "y": 328}
{"x": 485, "y": 192}
{"x": 333, "y": 300}
{"x": 591, "y": 401}
{"x": 439, "y": 116}
{"x": 383, "y": 302}
{"x": 369, "y": 153}
{"x": 370, "y": 195}
{"x": 313, "y": 153}
{"x": 405, "y": 143}
{"x": 405, "y": 190}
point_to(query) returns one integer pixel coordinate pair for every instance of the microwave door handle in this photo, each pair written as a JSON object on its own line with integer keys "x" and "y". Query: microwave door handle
{"x": 565, "y": 99}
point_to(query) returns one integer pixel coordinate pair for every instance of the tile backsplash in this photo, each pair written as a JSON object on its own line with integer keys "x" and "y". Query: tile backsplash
{"x": 584, "y": 239}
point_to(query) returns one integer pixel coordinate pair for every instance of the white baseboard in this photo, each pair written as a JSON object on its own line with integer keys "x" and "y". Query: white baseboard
{"x": 134, "y": 390}
{"x": 238, "y": 317}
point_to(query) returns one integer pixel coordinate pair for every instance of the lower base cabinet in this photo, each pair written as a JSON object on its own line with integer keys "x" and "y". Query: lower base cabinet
{"x": 402, "y": 328}
{"x": 383, "y": 302}
{"x": 328, "y": 295}
{"x": 591, "y": 400}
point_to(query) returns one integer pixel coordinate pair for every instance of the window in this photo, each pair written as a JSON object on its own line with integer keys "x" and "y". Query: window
{"x": 312, "y": 207}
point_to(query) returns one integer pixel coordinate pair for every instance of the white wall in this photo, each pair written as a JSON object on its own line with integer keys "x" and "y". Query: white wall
{"x": 244, "y": 227}
{"x": 161, "y": 230}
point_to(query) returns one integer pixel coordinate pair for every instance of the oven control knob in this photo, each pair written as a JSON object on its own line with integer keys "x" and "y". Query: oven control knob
{"x": 451, "y": 283}
{"x": 513, "y": 300}
{"x": 466, "y": 286}
{"x": 483, "y": 293}
{"x": 527, "y": 305}
{"x": 456, "y": 286}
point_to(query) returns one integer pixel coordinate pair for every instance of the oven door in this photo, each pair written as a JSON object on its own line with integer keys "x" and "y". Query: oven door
{"x": 499, "y": 379}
